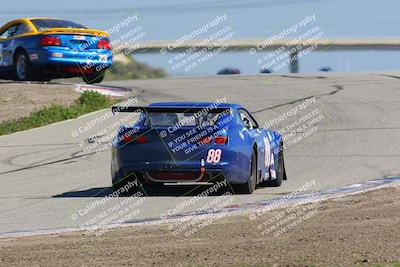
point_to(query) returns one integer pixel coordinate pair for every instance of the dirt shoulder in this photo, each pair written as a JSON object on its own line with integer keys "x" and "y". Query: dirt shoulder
{"x": 356, "y": 230}
{"x": 18, "y": 100}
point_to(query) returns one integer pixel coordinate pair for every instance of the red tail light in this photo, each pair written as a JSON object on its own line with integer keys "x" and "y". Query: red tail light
{"x": 50, "y": 41}
{"x": 220, "y": 140}
{"x": 104, "y": 44}
{"x": 127, "y": 139}
{"x": 141, "y": 139}
{"x": 206, "y": 140}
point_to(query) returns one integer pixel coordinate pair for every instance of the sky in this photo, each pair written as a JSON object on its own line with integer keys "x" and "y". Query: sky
{"x": 169, "y": 20}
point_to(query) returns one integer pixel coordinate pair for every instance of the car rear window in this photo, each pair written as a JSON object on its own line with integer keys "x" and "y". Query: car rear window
{"x": 44, "y": 24}
{"x": 157, "y": 119}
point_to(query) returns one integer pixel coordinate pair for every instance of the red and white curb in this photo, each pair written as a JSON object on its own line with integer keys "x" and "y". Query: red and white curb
{"x": 104, "y": 90}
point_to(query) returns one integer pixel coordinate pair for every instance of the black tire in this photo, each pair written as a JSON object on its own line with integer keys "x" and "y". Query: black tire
{"x": 96, "y": 77}
{"x": 284, "y": 169}
{"x": 22, "y": 67}
{"x": 250, "y": 186}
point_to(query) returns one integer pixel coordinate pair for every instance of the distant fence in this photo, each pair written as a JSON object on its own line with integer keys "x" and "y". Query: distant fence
{"x": 334, "y": 44}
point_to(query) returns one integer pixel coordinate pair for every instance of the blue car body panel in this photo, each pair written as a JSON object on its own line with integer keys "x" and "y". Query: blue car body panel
{"x": 234, "y": 165}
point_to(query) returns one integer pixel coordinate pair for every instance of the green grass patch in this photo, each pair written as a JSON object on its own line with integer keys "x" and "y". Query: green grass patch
{"x": 88, "y": 102}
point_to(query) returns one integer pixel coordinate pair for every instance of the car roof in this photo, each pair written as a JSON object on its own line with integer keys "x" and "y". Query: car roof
{"x": 195, "y": 104}
{"x": 27, "y": 21}
{"x": 44, "y": 18}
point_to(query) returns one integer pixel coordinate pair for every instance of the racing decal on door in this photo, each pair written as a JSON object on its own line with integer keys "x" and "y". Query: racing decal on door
{"x": 214, "y": 155}
{"x": 267, "y": 158}
{"x": 272, "y": 168}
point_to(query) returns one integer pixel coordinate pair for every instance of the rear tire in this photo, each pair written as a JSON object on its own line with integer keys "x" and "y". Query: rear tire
{"x": 22, "y": 67}
{"x": 96, "y": 77}
{"x": 250, "y": 185}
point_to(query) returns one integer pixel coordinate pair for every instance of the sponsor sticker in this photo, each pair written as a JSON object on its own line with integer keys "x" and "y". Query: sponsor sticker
{"x": 33, "y": 56}
{"x": 59, "y": 55}
{"x": 79, "y": 37}
{"x": 103, "y": 58}
{"x": 267, "y": 159}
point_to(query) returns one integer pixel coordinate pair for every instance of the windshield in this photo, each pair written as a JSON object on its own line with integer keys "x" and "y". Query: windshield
{"x": 44, "y": 24}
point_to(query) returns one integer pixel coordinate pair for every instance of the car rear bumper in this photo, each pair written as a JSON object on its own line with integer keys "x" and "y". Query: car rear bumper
{"x": 60, "y": 56}
{"x": 170, "y": 176}
{"x": 233, "y": 165}
{"x": 169, "y": 172}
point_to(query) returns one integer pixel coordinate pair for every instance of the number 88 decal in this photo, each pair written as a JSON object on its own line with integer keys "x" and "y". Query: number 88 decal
{"x": 214, "y": 155}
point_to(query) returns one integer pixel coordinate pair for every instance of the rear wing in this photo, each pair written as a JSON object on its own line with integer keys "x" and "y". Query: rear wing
{"x": 98, "y": 33}
{"x": 174, "y": 109}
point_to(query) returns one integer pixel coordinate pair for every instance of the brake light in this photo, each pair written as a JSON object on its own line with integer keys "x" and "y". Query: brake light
{"x": 220, "y": 140}
{"x": 127, "y": 138}
{"x": 206, "y": 140}
{"x": 50, "y": 41}
{"x": 141, "y": 139}
{"x": 104, "y": 44}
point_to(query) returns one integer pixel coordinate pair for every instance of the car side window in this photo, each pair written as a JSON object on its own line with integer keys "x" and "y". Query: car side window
{"x": 23, "y": 28}
{"x": 4, "y": 33}
{"x": 247, "y": 120}
{"x": 12, "y": 30}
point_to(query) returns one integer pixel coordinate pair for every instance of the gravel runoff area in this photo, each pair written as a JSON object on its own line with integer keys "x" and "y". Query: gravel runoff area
{"x": 18, "y": 100}
{"x": 362, "y": 229}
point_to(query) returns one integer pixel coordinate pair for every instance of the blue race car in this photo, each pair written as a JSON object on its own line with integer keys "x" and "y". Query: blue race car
{"x": 44, "y": 49}
{"x": 173, "y": 142}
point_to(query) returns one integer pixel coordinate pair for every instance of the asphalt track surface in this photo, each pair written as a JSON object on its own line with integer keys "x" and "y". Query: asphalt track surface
{"x": 46, "y": 178}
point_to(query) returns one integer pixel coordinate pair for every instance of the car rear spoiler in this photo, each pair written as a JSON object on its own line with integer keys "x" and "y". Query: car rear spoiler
{"x": 175, "y": 109}
{"x": 75, "y": 31}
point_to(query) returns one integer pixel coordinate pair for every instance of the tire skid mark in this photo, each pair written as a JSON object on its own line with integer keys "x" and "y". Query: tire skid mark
{"x": 338, "y": 89}
{"x": 10, "y": 160}
{"x": 31, "y": 145}
{"x": 48, "y": 163}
